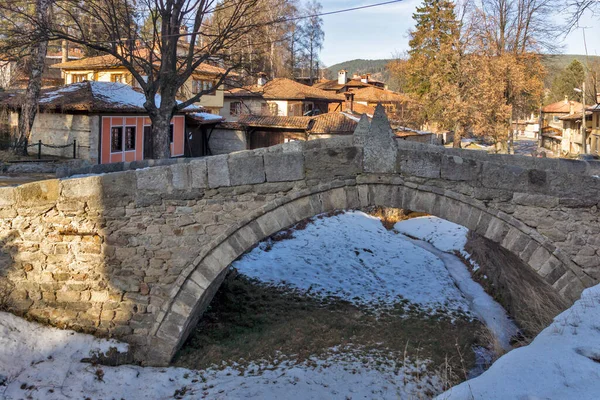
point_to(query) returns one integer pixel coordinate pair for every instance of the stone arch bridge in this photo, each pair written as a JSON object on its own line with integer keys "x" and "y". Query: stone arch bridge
{"x": 138, "y": 254}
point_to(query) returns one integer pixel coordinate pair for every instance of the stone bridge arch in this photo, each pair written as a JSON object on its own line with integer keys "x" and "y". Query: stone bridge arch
{"x": 161, "y": 238}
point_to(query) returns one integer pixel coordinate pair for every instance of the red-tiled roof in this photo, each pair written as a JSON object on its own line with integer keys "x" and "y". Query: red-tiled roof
{"x": 376, "y": 95}
{"x": 109, "y": 61}
{"x": 562, "y": 107}
{"x": 259, "y": 121}
{"x": 284, "y": 89}
{"x": 332, "y": 123}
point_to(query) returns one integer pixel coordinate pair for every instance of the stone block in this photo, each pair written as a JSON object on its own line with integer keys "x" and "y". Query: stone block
{"x": 181, "y": 178}
{"x": 7, "y": 196}
{"x": 218, "y": 171}
{"x": 281, "y": 167}
{"x": 154, "y": 179}
{"x": 457, "y": 168}
{"x": 379, "y": 146}
{"x": 422, "y": 164}
{"x": 538, "y": 258}
{"x": 246, "y": 169}
{"x": 37, "y": 193}
{"x": 328, "y": 163}
{"x": 120, "y": 186}
{"x": 198, "y": 171}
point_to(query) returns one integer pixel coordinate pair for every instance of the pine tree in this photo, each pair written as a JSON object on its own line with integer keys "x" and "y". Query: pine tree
{"x": 570, "y": 77}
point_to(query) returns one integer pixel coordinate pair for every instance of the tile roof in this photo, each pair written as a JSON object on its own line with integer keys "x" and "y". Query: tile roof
{"x": 375, "y": 95}
{"x": 109, "y": 61}
{"x": 329, "y": 123}
{"x": 259, "y": 121}
{"x": 332, "y": 123}
{"x": 575, "y": 116}
{"x": 92, "y": 97}
{"x": 284, "y": 89}
{"x": 561, "y": 107}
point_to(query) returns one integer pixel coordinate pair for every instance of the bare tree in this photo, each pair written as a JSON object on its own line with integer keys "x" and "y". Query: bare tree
{"x": 34, "y": 49}
{"x": 312, "y": 37}
{"x": 178, "y": 37}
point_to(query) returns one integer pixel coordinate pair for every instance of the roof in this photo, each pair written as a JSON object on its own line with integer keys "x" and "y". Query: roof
{"x": 258, "y": 121}
{"x": 93, "y": 97}
{"x": 334, "y": 85}
{"x": 575, "y": 116}
{"x": 110, "y": 61}
{"x": 329, "y": 123}
{"x": 284, "y": 89}
{"x": 333, "y": 123}
{"x": 562, "y": 107}
{"x": 375, "y": 95}
{"x": 205, "y": 118}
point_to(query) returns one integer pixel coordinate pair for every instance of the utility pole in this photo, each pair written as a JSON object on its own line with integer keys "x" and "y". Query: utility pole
{"x": 583, "y": 122}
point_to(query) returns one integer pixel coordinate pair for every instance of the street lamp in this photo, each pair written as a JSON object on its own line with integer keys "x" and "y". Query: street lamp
{"x": 583, "y": 123}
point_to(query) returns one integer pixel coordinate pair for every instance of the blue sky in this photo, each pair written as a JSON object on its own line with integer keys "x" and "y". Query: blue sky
{"x": 381, "y": 32}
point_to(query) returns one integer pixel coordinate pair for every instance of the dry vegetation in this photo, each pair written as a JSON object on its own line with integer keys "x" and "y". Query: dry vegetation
{"x": 250, "y": 321}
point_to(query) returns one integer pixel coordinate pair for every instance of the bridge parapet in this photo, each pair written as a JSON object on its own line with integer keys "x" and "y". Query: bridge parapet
{"x": 138, "y": 254}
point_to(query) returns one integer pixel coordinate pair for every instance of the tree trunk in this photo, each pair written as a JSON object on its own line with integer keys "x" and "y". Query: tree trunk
{"x": 456, "y": 143}
{"x": 161, "y": 129}
{"x": 32, "y": 94}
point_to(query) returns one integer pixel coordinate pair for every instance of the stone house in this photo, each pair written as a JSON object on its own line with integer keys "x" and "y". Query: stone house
{"x": 279, "y": 97}
{"x": 107, "y": 68}
{"x": 252, "y": 132}
{"x": 551, "y": 113}
{"x": 572, "y": 140}
{"x": 106, "y": 119}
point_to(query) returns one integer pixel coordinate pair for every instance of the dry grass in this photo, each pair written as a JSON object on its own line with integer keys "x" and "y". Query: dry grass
{"x": 251, "y": 321}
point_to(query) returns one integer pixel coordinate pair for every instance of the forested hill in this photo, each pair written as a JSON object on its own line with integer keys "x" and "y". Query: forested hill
{"x": 553, "y": 63}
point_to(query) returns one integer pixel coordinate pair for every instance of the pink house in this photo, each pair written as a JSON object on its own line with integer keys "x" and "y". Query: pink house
{"x": 106, "y": 120}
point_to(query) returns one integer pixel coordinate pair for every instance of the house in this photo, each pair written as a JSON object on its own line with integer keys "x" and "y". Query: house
{"x": 594, "y": 134}
{"x": 279, "y": 97}
{"x": 16, "y": 76}
{"x": 106, "y": 119}
{"x": 526, "y": 128}
{"x": 395, "y": 104}
{"x": 107, "y": 68}
{"x": 257, "y": 131}
{"x": 572, "y": 140}
{"x": 346, "y": 84}
{"x": 551, "y": 113}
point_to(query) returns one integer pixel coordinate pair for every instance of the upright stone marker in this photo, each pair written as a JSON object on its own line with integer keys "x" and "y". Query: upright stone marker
{"x": 380, "y": 150}
{"x": 362, "y": 131}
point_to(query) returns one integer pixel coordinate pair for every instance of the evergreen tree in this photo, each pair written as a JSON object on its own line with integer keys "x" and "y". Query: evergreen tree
{"x": 568, "y": 79}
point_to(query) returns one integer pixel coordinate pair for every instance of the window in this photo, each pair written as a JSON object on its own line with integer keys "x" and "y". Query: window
{"x": 118, "y": 78}
{"x": 597, "y": 116}
{"x": 199, "y": 85}
{"x": 235, "y": 108}
{"x": 116, "y": 139}
{"x": 171, "y": 130}
{"x": 130, "y": 138}
{"x": 274, "y": 109}
{"x": 76, "y": 78}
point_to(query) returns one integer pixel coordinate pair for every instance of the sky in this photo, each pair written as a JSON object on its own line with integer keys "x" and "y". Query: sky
{"x": 381, "y": 32}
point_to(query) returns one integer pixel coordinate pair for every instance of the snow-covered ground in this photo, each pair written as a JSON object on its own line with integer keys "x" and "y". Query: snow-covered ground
{"x": 351, "y": 256}
{"x": 563, "y": 362}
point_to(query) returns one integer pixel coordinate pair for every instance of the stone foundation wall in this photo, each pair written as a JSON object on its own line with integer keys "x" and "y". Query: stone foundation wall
{"x": 138, "y": 254}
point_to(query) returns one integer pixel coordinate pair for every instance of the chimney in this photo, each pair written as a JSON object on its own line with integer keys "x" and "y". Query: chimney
{"x": 342, "y": 77}
{"x": 349, "y": 106}
{"x": 566, "y": 99}
{"x": 262, "y": 79}
{"x": 364, "y": 78}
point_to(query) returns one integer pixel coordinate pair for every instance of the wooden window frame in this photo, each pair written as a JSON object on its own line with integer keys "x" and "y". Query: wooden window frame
{"x": 125, "y": 136}
{"x": 113, "y": 150}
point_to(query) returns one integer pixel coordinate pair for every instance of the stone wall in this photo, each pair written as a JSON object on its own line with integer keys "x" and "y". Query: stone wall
{"x": 224, "y": 141}
{"x": 61, "y": 129}
{"x": 138, "y": 254}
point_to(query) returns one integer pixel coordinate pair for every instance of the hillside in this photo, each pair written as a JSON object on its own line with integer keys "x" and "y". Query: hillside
{"x": 553, "y": 63}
